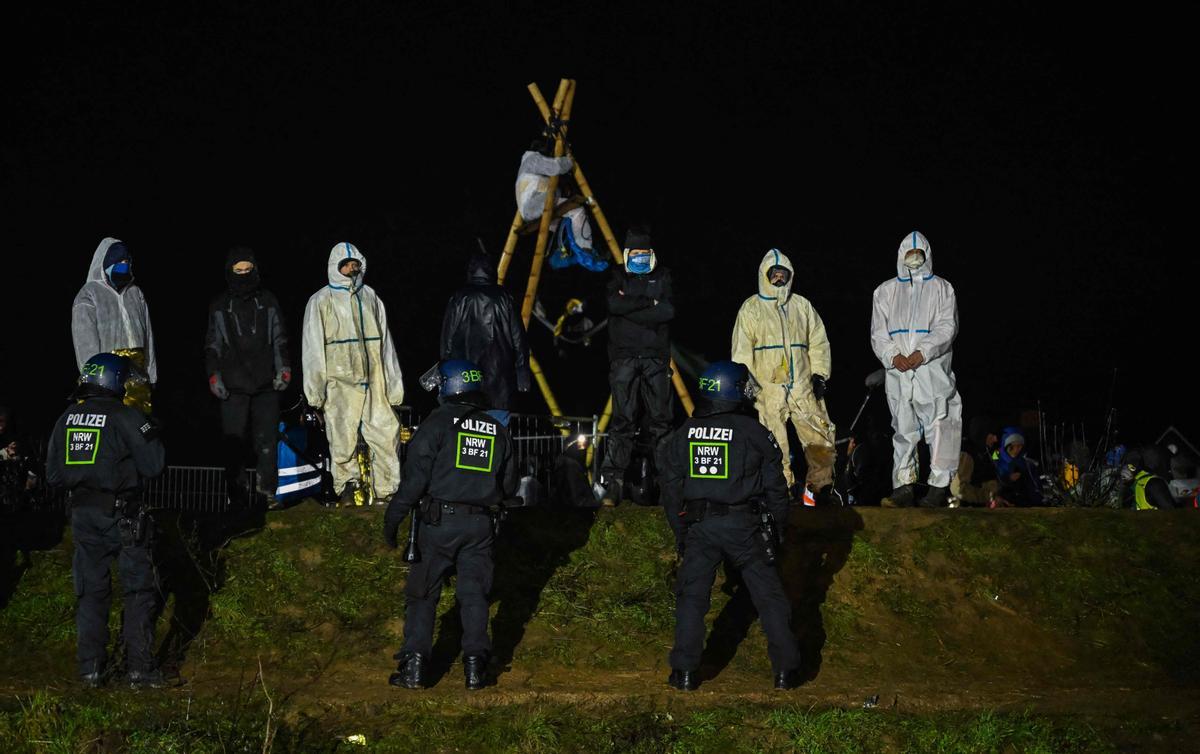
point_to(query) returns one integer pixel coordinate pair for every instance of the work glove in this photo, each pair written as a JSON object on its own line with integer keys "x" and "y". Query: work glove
{"x": 283, "y": 378}
{"x": 818, "y": 384}
{"x": 390, "y": 531}
{"x": 395, "y": 515}
{"x": 216, "y": 386}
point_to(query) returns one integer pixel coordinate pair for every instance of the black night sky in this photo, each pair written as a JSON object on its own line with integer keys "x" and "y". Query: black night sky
{"x": 1043, "y": 155}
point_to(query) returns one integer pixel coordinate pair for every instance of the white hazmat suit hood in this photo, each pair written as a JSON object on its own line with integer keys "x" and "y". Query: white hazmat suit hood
{"x": 104, "y": 319}
{"x": 918, "y": 311}
{"x": 352, "y": 372}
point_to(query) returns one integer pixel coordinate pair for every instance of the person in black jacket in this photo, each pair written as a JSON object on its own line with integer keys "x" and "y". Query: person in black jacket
{"x": 726, "y": 500}
{"x": 246, "y": 355}
{"x": 640, "y": 308}
{"x": 459, "y": 471}
{"x": 481, "y": 325}
{"x": 100, "y": 451}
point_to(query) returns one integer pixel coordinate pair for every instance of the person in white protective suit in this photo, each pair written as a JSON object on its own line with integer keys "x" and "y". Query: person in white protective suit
{"x": 780, "y": 336}
{"x": 913, "y": 326}
{"x": 110, "y": 315}
{"x": 533, "y": 180}
{"x": 352, "y": 373}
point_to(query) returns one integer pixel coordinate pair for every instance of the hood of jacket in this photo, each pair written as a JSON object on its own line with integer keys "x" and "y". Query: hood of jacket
{"x": 480, "y": 270}
{"x": 912, "y": 241}
{"x": 1006, "y": 462}
{"x": 96, "y": 269}
{"x": 338, "y": 254}
{"x": 241, "y": 284}
{"x": 765, "y": 289}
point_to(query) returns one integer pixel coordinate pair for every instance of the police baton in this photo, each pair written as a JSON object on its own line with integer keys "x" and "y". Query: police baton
{"x": 412, "y": 553}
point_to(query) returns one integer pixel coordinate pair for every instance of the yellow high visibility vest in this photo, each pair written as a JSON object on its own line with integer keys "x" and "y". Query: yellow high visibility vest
{"x": 1140, "y": 481}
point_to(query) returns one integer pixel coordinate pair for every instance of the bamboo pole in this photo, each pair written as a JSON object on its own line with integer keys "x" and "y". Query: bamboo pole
{"x": 562, "y": 104}
{"x": 681, "y": 389}
{"x": 601, "y": 425}
{"x": 518, "y": 223}
{"x": 544, "y": 386}
{"x": 510, "y": 245}
{"x": 566, "y": 206}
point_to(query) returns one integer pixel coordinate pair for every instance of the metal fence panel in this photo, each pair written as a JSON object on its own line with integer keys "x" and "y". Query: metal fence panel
{"x": 538, "y": 441}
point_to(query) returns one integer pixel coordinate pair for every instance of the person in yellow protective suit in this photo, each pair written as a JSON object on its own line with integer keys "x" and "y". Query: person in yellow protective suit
{"x": 780, "y": 336}
{"x": 352, "y": 373}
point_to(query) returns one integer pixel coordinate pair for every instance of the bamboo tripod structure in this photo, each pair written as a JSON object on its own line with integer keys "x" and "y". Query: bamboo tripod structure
{"x": 564, "y": 99}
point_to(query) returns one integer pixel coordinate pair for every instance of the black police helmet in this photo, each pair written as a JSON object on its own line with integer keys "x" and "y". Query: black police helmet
{"x": 104, "y": 374}
{"x": 727, "y": 381}
{"x": 453, "y": 377}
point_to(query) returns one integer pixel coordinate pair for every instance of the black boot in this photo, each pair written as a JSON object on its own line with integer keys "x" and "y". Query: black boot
{"x": 346, "y": 499}
{"x": 93, "y": 676}
{"x": 936, "y": 497}
{"x": 789, "y": 679}
{"x": 475, "y": 671}
{"x": 684, "y": 680}
{"x": 829, "y": 497}
{"x": 901, "y": 497}
{"x": 613, "y": 494}
{"x": 146, "y": 679}
{"x": 410, "y": 674}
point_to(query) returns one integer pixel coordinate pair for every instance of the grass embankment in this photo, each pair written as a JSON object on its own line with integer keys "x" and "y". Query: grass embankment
{"x": 1051, "y": 630}
{"x": 47, "y": 723}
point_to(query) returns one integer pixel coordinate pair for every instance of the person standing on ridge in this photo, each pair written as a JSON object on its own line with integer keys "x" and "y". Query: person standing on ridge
{"x": 352, "y": 373}
{"x": 781, "y": 338}
{"x": 247, "y": 362}
{"x": 640, "y": 309}
{"x": 914, "y": 321}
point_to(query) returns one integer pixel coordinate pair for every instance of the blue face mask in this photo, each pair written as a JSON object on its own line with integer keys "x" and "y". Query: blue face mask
{"x": 120, "y": 274}
{"x": 639, "y": 264}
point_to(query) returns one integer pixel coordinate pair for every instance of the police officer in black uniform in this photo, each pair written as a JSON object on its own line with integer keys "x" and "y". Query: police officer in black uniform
{"x": 459, "y": 471}
{"x": 100, "y": 451}
{"x": 725, "y": 498}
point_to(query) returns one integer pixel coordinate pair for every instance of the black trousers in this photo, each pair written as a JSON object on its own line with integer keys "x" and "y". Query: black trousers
{"x": 98, "y": 542}
{"x": 254, "y": 416}
{"x": 638, "y": 385}
{"x": 733, "y": 538}
{"x": 461, "y": 542}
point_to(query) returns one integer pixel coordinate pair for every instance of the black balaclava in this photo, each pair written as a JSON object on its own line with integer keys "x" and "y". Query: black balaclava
{"x": 480, "y": 269}
{"x": 241, "y": 285}
{"x": 118, "y": 265}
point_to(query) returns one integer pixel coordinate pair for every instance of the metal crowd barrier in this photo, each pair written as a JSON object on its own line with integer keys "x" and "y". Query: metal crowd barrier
{"x": 199, "y": 489}
{"x": 538, "y": 441}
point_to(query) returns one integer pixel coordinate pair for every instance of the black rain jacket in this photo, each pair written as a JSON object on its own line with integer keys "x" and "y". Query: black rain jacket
{"x": 481, "y": 325}
{"x": 724, "y": 456}
{"x": 459, "y": 454}
{"x": 101, "y": 449}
